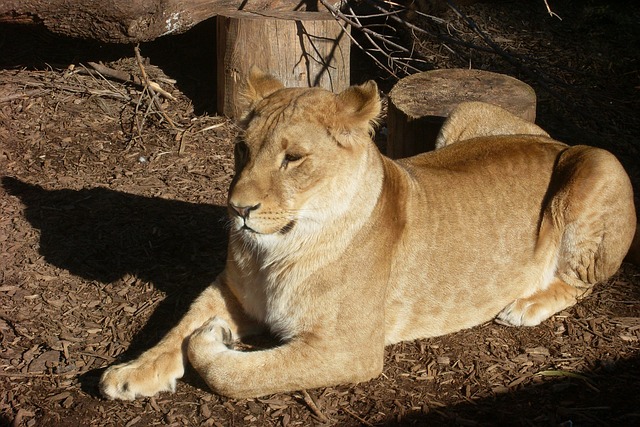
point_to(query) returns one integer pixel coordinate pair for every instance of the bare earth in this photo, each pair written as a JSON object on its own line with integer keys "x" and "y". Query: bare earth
{"x": 112, "y": 220}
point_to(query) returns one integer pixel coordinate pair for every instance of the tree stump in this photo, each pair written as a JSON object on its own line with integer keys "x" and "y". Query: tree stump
{"x": 302, "y": 49}
{"x": 420, "y": 103}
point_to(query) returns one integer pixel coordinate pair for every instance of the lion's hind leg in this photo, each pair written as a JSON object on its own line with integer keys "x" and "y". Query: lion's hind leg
{"x": 587, "y": 226}
{"x": 547, "y": 294}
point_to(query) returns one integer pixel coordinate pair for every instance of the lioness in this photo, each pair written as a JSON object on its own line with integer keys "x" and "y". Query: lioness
{"x": 338, "y": 250}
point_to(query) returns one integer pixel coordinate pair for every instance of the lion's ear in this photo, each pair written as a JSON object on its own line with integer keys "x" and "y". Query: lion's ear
{"x": 259, "y": 85}
{"x": 359, "y": 106}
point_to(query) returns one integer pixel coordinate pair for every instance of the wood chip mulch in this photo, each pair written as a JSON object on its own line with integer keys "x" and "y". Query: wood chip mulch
{"x": 112, "y": 220}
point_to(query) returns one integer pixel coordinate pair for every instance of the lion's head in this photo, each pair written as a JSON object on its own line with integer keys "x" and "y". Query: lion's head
{"x": 298, "y": 156}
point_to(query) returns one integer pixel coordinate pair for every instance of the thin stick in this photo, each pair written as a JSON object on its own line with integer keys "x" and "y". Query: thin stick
{"x": 365, "y": 30}
{"x": 27, "y": 94}
{"x": 127, "y": 78}
{"x": 551, "y": 12}
{"x": 182, "y": 137}
{"x": 154, "y": 97}
{"x": 404, "y": 62}
{"x": 353, "y": 21}
{"x": 92, "y": 74}
{"x": 362, "y": 420}
{"x": 314, "y": 408}
{"x": 376, "y": 60}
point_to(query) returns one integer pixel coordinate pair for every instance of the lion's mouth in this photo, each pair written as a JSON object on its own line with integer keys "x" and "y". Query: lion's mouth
{"x": 282, "y": 231}
{"x": 245, "y": 227}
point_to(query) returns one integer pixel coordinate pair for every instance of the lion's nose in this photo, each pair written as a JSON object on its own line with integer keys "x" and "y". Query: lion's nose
{"x": 244, "y": 211}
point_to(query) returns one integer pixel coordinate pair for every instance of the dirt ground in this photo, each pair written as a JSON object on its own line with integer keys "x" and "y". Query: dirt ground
{"x": 112, "y": 220}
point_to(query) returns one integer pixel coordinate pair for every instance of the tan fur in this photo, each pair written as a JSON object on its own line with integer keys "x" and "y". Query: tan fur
{"x": 473, "y": 119}
{"x": 338, "y": 250}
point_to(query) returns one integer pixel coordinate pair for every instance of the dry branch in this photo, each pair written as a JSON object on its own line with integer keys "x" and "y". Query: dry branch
{"x": 379, "y": 42}
{"x": 390, "y": 53}
{"x": 125, "y": 77}
{"x": 149, "y": 87}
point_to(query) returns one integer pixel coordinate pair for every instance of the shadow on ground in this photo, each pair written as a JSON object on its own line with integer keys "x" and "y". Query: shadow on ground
{"x": 607, "y": 396}
{"x": 103, "y": 235}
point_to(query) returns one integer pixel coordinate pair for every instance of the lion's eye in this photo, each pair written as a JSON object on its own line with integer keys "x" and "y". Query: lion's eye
{"x": 290, "y": 158}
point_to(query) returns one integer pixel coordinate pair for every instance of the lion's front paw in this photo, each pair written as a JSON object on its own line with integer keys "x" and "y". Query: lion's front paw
{"x": 144, "y": 376}
{"x": 213, "y": 336}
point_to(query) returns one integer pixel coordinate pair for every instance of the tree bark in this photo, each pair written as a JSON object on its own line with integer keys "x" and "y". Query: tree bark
{"x": 130, "y": 21}
{"x": 302, "y": 49}
{"x": 420, "y": 103}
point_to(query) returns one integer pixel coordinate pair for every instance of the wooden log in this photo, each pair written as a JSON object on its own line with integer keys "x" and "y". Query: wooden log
{"x": 130, "y": 21}
{"x": 302, "y": 49}
{"x": 419, "y": 104}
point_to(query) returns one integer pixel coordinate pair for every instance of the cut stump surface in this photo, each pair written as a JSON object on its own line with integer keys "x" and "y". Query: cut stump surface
{"x": 419, "y": 104}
